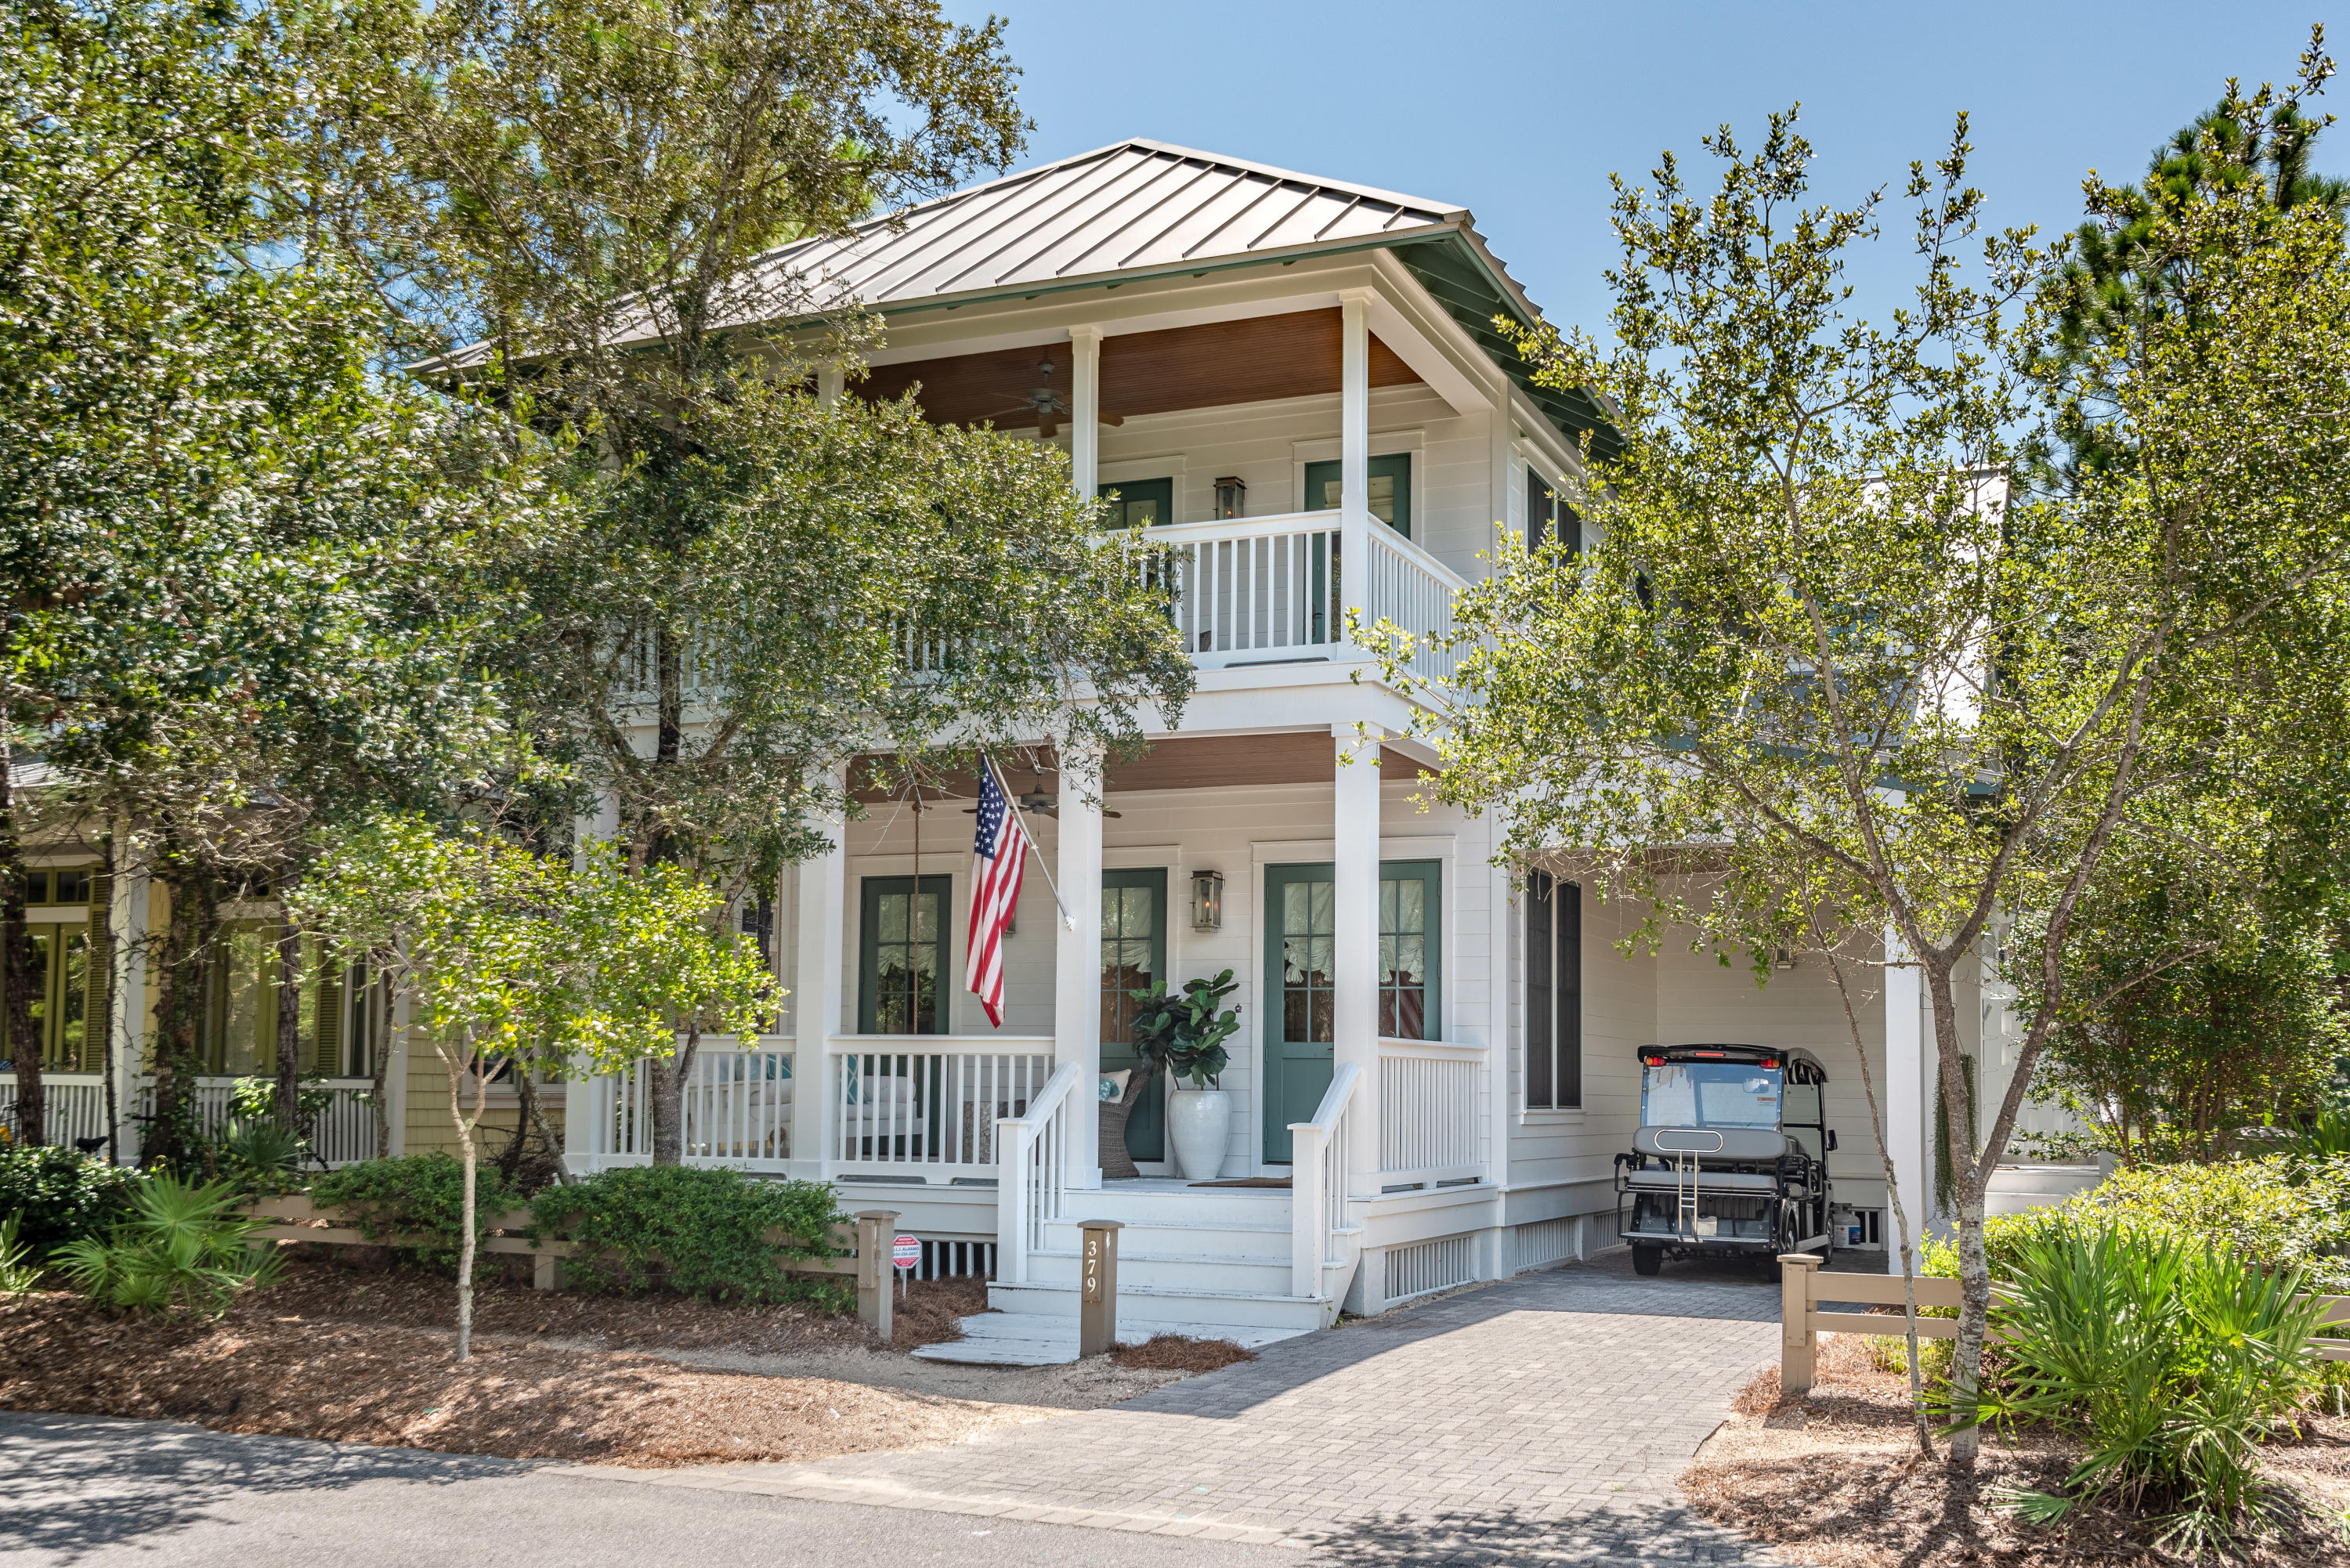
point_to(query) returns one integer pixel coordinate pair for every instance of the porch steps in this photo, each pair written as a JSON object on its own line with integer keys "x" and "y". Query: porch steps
{"x": 1036, "y": 1339}
{"x": 1214, "y": 1258}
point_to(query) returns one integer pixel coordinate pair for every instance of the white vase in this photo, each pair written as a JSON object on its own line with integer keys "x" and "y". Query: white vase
{"x": 1199, "y": 1123}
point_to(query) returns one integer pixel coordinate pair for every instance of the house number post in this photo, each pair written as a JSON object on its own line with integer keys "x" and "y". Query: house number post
{"x": 875, "y": 1228}
{"x": 1097, "y": 1288}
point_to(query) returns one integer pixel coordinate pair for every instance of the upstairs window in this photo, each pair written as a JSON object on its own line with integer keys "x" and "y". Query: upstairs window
{"x": 1390, "y": 489}
{"x": 1140, "y": 502}
{"x": 1549, "y": 518}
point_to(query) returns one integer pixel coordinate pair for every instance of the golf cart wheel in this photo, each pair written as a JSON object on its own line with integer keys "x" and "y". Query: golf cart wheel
{"x": 1791, "y": 1230}
{"x": 1647, "y": 1259}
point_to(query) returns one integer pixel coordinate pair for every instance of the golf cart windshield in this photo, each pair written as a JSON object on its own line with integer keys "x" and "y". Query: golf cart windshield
{"x": 1708, "y": 1094}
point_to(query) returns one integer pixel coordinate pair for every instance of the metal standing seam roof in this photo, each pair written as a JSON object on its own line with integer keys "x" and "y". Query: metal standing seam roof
{"x": 1137, "y": 207}
{"x": 1142, "y": 209}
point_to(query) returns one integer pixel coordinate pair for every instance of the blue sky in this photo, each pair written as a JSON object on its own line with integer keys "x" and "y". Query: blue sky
{"x": 1520, "y": 112}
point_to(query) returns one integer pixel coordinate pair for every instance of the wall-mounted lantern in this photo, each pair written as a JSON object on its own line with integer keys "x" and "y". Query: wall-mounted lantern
{"x": 1207, "y": 900}
{"x": 1231, "y": 497}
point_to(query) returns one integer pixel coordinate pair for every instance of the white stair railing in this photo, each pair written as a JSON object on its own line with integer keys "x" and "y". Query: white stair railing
{"x": 1033, "y": 1177}
{"x": 1427, "y": 1112}
{"x": 1318, "y": 1202}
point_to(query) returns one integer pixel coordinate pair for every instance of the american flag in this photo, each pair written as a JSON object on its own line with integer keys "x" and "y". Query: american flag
{"x": 998, "y": 852}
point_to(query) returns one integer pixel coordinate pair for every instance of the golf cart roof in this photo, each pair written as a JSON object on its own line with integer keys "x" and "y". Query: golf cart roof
{"x": 1800, "y": 1064}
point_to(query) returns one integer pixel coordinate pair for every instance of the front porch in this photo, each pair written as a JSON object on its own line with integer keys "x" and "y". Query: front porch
{"x": 1364, "y": 1076}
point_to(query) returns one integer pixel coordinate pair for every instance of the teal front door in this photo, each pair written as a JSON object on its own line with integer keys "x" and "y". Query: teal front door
{"x": 1298, "y": 933}
{"x": 1297, "y": 937}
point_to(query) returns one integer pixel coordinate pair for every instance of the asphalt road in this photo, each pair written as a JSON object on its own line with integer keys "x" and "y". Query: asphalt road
{"x": 87, "y": 1491}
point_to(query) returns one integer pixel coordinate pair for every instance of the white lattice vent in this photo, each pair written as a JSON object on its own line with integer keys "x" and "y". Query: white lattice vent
{"x": 1542, "y": 1243}
{"x": 1426, "y": 1266}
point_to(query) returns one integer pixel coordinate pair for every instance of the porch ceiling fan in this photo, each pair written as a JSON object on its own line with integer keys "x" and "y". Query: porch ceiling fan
{"x": 1046, "y": 404}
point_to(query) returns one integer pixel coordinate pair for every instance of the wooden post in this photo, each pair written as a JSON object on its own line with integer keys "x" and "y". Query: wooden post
{"x": 544, "y": 1275}
{"x": 1098, "y": 1289}
{"x": 1798, "y": 1347}
{"x": 875, "y": 1229}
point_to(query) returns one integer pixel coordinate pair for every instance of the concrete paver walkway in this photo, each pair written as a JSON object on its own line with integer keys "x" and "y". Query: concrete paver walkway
{"x": 1543, "y": 1420}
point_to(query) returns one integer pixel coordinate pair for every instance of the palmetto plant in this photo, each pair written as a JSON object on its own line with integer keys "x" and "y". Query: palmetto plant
{"x": 18, "y": 1274}
{"x": 2172, "y": 1361}
{"x": 184, "y": 1246}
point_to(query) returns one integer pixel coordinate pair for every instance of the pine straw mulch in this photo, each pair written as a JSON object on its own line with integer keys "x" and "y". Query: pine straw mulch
{"x": 343, "y": 1355}
{"x": 1180, "y": 1353}
{"x": 1835, "y": 1479}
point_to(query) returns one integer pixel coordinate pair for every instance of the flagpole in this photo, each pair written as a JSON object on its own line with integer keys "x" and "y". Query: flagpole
{"x": 1011, "y": 803}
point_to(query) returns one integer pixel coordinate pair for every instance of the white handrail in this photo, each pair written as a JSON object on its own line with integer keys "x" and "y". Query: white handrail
{"x": 1317, "y": 1210}
{"x": 1032, "y": 1173}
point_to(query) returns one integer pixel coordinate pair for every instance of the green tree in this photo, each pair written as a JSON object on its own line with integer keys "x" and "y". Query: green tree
{"x": 1823, "y": 684}
{"x": 248, "y": 596}
{"x": 513, "y": 960}
{"x": 2124, "y": 269}
{"x": 587, "y": 199}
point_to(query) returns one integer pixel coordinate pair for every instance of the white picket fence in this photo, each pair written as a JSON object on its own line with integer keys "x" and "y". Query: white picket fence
{"x": 73, "y": 1106}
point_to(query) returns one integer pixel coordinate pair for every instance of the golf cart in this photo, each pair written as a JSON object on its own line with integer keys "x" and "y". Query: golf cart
{"x": 1730, "y": 1158}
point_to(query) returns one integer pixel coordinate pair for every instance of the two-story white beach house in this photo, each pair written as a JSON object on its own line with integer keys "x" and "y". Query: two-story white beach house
{"x": 1298, "y": 383}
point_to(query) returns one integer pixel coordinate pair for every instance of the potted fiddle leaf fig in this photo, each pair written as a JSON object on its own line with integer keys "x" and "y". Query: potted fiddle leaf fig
{"x": 1185, "y": 1034}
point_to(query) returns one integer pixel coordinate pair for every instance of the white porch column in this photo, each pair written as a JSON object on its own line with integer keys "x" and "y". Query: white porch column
{"x": 1353, "y": 452}
{"x": 1076, "y": 955}
{"x": 126, "y": 924}
{"x": 829, "y": 382}
{"x": 1905, "y": 1099}
{"x": 1084, "y": 403}
{"x": 819, "y": 932}
{"x": 1355, "y": 942}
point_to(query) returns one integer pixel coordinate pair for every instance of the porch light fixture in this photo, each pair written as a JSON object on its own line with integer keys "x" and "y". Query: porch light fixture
{"x": 1207, "y": 900}
{"x": 1231, "y": 497}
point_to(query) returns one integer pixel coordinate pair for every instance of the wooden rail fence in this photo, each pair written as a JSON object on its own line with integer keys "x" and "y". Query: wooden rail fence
{"x": 1803, "y": 1285}
{"x": 300, "y": 1220}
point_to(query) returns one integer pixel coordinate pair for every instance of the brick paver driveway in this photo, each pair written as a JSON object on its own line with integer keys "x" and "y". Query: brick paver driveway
{"x": 1542, "y": 1420}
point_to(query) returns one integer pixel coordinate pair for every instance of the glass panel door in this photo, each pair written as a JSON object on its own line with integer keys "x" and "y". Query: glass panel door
{"x": 1298, "y": 931}
{"x": 904, "y": 957}
{"x": 1390, "y": 489}
{"x": 1133, "y": 957}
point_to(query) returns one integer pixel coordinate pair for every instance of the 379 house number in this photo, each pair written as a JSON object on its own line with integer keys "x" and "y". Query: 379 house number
{"x": 1092, "y": 1266}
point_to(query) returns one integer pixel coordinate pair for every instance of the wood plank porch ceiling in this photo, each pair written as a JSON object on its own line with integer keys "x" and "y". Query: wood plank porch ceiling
{"x": 1256, "y": 360}
{"x": 1199, "y": 762}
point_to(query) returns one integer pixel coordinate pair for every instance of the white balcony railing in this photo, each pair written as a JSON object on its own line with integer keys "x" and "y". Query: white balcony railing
{"x": 1427, "y": 1112}
{"x": 926, "y": 1105}
{"x": 1268, "y": 590}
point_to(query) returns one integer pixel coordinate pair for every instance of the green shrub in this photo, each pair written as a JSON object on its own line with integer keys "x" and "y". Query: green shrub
{"x": 417, "y": 1196}
{"x": 259, "y": 1158}
{"x": 18, "y": 1273}
{"x": 184, "y": 1245}
{"x": 2173, "y": 1360}
{"x": 61, "y": 1195}
{"x": 703, "y": 1232}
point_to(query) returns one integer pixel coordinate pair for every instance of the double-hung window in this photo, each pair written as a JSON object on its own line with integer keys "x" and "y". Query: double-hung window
{"x": 1554, "y": 979}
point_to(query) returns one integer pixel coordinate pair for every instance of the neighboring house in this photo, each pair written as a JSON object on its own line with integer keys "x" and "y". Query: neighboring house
{"x": 1297, "y": 383}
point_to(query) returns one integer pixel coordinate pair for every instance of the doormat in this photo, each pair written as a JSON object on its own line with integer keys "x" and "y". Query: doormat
{"x": 1248, "y": 1181}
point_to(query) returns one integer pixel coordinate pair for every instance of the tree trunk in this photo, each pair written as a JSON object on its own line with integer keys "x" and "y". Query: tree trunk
{"x": 471, "y": 1158}
{"x": 102, "y": 1027}
{"x": 669, "y": 1100}
{"x": 534, "y": 1116}
{"x": 1893, "y": 1203}
{"x": 178, "y": 1008}
{"x": 17, "y": 981}
{"x": 1966, "y": 1162}
{"x": 289, "y": 1026}
{"x": 383, "y": 1071}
